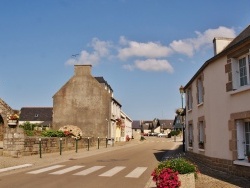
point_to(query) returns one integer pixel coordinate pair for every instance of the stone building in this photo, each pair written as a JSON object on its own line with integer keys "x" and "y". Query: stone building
{"x": 84, "y": 101}
{"x": 5, "y": 110}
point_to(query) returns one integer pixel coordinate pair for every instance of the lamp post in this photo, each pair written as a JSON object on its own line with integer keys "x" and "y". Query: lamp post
{"x": 182, "y": 118}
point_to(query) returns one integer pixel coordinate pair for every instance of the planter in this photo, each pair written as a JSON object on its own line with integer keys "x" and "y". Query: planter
{"x": 187, "y": 180}
{"x": 12, "y": 123}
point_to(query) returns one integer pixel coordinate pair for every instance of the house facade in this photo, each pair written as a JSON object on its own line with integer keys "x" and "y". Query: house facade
{"x": 127, "y": 127}
{"x": 218, "y": 107}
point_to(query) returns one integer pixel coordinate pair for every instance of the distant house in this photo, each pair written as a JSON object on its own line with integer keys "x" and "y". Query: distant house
{"x": 218, "y": 107}
{"x": 156, "y": 126}
{"x": 36, "y": 115}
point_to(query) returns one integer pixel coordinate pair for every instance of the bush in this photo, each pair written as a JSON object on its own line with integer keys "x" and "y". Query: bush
{"x": 53, "y": 133}
{"x": 180, "y": 165}
{"x": 28, "y": 126}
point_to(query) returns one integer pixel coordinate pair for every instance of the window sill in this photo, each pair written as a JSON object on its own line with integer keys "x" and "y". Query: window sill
{"x": 242, "y": 162}
{"x": 240, "y": 89}
{"x": 190, "y": 148}
{"x": 189, "y": 110}
{"x": 201, "y": 150}
{"x": 200, "y": 104}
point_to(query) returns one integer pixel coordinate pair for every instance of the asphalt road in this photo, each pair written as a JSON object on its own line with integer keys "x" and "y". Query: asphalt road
{"x": 130, "y": 167}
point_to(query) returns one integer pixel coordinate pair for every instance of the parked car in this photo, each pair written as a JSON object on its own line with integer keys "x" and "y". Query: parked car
{"x": 152, "y": 134}
{"x": 162, "y": 135}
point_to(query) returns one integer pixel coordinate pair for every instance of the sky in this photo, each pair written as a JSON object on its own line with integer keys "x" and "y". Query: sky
{"x": 144, "y": 49}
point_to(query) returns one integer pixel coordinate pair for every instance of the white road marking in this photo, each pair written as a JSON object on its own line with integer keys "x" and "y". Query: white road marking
{"x": 89, "y": 170}
{"x": 136, "y": 173}
{"x": 66, "y": 170}
{"x": 15, "y": 167}
{"x": 45, "y": 169}
{"x": 113, "y": 171}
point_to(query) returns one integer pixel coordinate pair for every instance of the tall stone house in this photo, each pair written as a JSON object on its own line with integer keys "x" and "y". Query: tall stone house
{"x": 218, "y": 107}
{"x": 87, "y": 102}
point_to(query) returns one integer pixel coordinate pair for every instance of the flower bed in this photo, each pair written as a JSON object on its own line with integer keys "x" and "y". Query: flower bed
{"x": 176, "y": 172}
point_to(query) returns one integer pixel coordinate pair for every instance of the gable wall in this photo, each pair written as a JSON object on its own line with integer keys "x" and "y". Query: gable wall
{"x": 83, "y": 102}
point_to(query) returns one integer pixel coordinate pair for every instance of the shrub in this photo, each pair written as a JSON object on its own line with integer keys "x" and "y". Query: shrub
{"x": 53, "y": 133}
{"x": 180, "y": 165}
{"x": 28, "y": 126}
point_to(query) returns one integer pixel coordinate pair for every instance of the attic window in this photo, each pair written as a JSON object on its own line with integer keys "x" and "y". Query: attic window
{"x": 36, "y": 115}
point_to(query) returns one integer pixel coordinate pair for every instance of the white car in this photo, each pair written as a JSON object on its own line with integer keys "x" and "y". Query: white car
{"x": 162, "y": 135}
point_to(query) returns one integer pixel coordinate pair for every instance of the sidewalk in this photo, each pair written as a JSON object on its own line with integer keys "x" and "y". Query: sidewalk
{"x": 207, "y": 178}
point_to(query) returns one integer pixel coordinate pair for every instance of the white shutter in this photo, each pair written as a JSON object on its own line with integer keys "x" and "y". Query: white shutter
{"x": 240, "y": 139}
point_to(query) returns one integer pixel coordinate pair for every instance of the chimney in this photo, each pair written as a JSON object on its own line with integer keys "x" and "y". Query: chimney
{"x": 220, "y": 44}
{"x": 81, "y": 70}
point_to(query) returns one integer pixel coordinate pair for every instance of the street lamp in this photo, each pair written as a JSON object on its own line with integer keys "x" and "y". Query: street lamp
{"x": 182, "y": 118}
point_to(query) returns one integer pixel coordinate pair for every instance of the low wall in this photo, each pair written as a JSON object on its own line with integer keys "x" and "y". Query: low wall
{"x": 17, "y": 144}
{"x": 223, "y": 165}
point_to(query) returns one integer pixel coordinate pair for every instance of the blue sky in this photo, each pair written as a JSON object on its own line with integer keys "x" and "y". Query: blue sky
{"x": 145, "y": 49}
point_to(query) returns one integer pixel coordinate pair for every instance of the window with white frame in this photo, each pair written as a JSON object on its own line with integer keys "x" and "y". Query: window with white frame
{"x": 244, "y": 64}
{"x": 201, "y": 134}
{"x": 189, "y": 98}
{"x": 243, "y": 138}
{"x": 199, "y": 91}
{"x": 247, "y": 137}
{"x": 190, "y": 135}
{"x": 241, "y": 71}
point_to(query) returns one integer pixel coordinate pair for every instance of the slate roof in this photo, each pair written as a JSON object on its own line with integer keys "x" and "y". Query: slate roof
{"x": 102, "y": 81}
{"x": 136, "y": 124}
{"x": 36, "y": 114}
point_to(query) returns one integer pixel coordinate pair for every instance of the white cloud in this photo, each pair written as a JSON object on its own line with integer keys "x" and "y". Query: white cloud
{"x": 101, "y": 49}
{"x": 191, "y": 45}
{"x": 154, "y": 65}
{"x": 146, "y": 50}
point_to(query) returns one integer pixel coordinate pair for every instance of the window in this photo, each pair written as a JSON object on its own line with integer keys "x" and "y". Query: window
{"x": 36, "y": 115}
{"x": 244, "y": 71}
{"x": 189, "y": 98}
{"x": 247, "y": 137}
{"x": 240, "y": 72}
{"x": 199, "y": 91}
{"x": 243, "y": 138}
{"x": 201, "y": 134}
{"x": 190, "y": 135}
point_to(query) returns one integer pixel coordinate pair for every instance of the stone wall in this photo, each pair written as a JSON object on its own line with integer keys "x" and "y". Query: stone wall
{"x": 16, "y": 144}
{"x": 223, "y": 165}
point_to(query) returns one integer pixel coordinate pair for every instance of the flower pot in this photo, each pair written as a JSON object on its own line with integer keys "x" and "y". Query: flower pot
{"x": 12, "y": 123}
{"x": 187, "y": 180}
